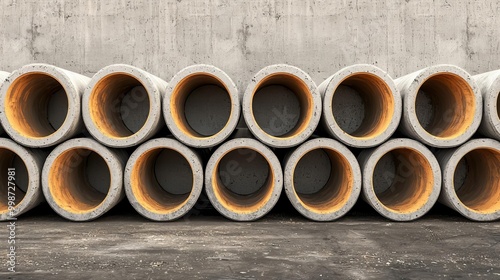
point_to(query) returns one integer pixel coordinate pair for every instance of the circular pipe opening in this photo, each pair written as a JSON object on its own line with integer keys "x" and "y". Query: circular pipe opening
{"x": 323, "y": 181}
{"x": 9, "y": 159}
{"x": 445, "y": 105}
{"x": 201, "y": 105}
{"x": 403, "y": 180}
{"x": 79, "y": 180}
{"x": 363, "y": 105}
{"x": 162, "y": 180}
{"x": 477, "y": 180}
{"x": 119, "y": 105}
{"x": 36, "y": 105}
{"x": 243, "y": 180}
{"x": 282, "y": 105}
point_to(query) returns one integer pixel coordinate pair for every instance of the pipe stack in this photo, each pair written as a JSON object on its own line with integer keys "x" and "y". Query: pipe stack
{"x": 83, "y": 144}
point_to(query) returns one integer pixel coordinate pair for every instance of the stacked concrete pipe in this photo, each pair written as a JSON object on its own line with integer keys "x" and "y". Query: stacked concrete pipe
{"x": 83, "y": 179}
{"x": 489, "y": 85}
{"x": 361, "y": 106}
{"x": 26, "y": 186}
{"x": 121, "y": 106}
{"x": 322, "y": 179}
{"x": 282, "y": 106}
{"x": 243, "y": 179}
{"x": 40, "y": 105}
{"x": 163, "y": 179}
{"x": 3, "y": 77}
{"x": 201, "y": 106}
{"x": 471, "y": 179}
{"x": 401, "y": 179}
{"x": 442, "y": 106}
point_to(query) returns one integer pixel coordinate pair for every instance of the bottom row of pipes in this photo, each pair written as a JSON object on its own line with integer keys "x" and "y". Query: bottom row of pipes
{"x": 162, "y": 179}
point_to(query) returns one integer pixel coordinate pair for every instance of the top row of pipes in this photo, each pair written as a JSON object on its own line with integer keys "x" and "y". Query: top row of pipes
{"x": 361, "y": 105}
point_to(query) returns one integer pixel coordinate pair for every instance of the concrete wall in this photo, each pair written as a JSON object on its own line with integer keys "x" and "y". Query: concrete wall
{"x": 243, "y": 36}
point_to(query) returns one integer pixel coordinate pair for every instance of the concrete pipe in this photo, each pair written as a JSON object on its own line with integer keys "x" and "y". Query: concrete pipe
{"x": 243, "y": 179}
{"x": 489, "y": 85}
{"x": 201, "y": 106}
{"x": 401, "y": 179}
{"x": 3, "y": 77}
{"x": 40, "y": 105}
{"x": 282, "y": 106}
{"x": 83, "y": 179}
{"x": 163, "y": 179}
{"x": 19, "y": 179}
{"x": 361, "y": 106}
{"x": 442, "y": 106}
{"x": 322, "y": 179}
{"x": 471, "y": 179}
{"x": 122, "y": 105}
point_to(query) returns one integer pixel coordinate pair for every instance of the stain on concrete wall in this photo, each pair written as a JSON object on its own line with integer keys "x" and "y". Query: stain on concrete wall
{"x": 242, "y": 37}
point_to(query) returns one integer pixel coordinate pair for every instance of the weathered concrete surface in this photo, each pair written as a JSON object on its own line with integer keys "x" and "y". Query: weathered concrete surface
{"x": 442, "y": 105}
{"x": 40, "y": 105}
{"x": 3, "y": 76}
{"x": 82, "y": 179}
{"x": 163, "y": 179}
{"x": 27, "y": 187}
{"x": 201, "y": 106}
{"x": 362, "y": 245}
{"x": 489, "y": 84}
{"x": 121, "y": 106}
{"x": 470, "y": 179}
{"x": 291, "y": 116}
{"x": 401, "y": 179}
{"x": 322, "y": 179}
{"x": 361, "y": 105}
{"x": 243, "y": 179}
{"x": 320, "y": 37}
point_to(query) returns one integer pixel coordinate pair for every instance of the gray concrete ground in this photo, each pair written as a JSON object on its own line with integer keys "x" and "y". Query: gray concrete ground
{"x": 362, "y": 245}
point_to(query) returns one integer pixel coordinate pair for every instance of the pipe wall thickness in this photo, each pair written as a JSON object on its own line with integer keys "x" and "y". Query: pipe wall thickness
{"x": 322, "y": 179}
{"x": 122, "y": 105}
{"x": 243, "y": 179}
{"x": 163, "y": 179}
{"x": 282, "y": 106}
{"x": 201, "y": 106}
{"x": 3, "y": 77}
{"x": 489, "y": 85}
{"x": 24, "y": 184}
{"x": 471, "y": 179}
{"x": 40, "y": 105}
{"x": 361, "y": 106}
{"x": 401, "y": 179}
{"x": 442, "y": 106}
{"x": 83, "y": 179}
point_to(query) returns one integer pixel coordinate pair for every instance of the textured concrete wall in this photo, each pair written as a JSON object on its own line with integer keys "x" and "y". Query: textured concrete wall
{"x": 243, "y": 36}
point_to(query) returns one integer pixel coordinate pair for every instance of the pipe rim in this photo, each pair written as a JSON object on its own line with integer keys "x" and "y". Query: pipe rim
{"x": 114, "y": 194}
{"x": 275, "y": 180}
{"x": 188, "y": 203}
{"x": 181, "y": 130}
{"x": 313, "y": 112}
{"x": 33, "y": 174}
{"x": 385, "y": 129}
{"x": 72, "y": 116}
{"x": 348, "y": 158}
{"x": 91, "y": 119}
{"x": 467, "y": 128}
{"x": 449, "y": 184}
{"x": 433, "y": 169}
{"x": 492, "y": 106}
{"x": 3, "y": 76}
